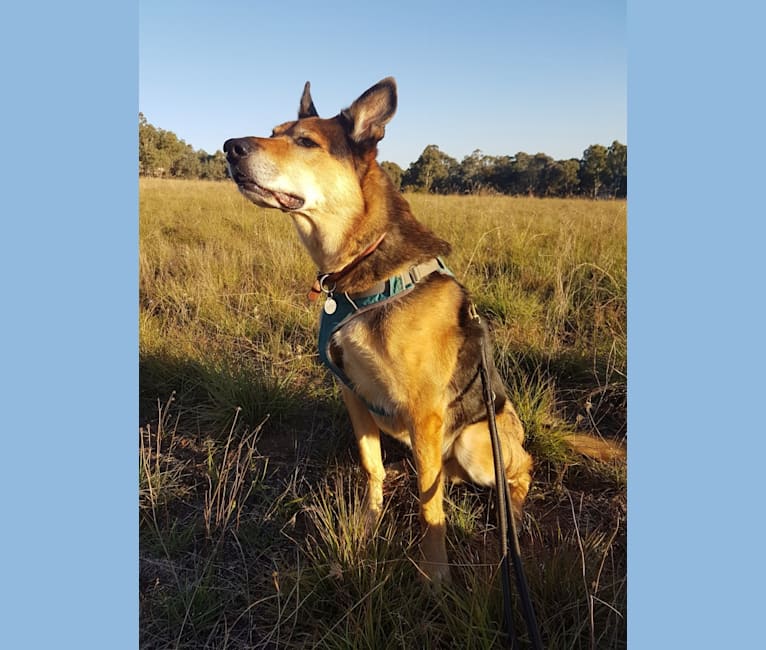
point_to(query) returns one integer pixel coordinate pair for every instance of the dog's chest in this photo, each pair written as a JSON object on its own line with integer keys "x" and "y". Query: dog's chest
{"x": 388, "y": 349}
{"x": 367, "y": 363}
{"x": 352, "y": 346}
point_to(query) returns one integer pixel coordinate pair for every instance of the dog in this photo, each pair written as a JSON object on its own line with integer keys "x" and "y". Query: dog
{"x": 397, "y": 328}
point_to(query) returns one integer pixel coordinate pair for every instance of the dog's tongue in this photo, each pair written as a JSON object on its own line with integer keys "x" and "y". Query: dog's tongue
{"x": 288, "y": 201}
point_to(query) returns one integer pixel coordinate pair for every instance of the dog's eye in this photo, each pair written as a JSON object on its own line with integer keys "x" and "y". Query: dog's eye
{"x": 305, "y": 142}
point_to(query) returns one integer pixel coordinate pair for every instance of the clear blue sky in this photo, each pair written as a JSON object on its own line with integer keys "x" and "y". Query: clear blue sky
{"x": 546, "y": 76}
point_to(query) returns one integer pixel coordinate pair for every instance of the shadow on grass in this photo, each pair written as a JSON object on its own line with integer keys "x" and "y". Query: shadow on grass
{"x": 208, "y": 397}
{"x": 589, "y": 391}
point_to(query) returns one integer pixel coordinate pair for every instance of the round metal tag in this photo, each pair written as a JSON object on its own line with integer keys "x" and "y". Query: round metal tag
{"x": 330, "y": 306}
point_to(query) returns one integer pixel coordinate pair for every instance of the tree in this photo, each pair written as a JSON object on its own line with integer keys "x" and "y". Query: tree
{"x": 474, "y": 173}
{"x": 395, "y": 173}
{"x": 594, "y": 172}
{"x": 213, "y": 168}
{"x": 521, "y": 174}
{"x": 562, "y": 178}
{"x": 185, "y": 163}
{"x": 430, "y": 172}
{"x": 537, "y": 171}
{"x": 501, "y": 174}
{"x": 147, "y": 146}
{"x": 617, "y": 165}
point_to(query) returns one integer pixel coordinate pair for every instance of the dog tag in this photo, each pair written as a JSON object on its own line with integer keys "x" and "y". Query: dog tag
{"x": 330, "y": 305}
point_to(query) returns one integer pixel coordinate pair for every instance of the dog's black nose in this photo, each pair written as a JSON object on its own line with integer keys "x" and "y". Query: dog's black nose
{"x": 236, "y": 148}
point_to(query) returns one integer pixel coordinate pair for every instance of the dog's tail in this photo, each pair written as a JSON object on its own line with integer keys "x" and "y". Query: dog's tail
{"x": 595, "y": 447}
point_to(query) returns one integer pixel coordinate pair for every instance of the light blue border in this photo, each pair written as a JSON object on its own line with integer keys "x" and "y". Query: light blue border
{"x": 69, "y": 341}
{"x": 69, "y": 270}
{"x": 696, "y": 329}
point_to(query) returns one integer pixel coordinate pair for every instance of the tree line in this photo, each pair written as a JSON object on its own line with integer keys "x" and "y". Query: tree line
{"x": 600, "y": 173}
{"x": 161, "y": 153}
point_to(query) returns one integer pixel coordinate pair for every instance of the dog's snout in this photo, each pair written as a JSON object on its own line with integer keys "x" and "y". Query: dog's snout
{"x": 236, "y": 148}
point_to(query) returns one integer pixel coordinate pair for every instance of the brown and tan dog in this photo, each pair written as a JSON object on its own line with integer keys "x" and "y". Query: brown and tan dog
{"x": 397, "y": 328}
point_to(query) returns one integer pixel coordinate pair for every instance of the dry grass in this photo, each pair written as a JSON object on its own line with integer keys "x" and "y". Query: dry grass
{"x": 250, "y": 530}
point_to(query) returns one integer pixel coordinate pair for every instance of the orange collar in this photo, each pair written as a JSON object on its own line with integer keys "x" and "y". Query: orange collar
{"x": 319, "y": 284}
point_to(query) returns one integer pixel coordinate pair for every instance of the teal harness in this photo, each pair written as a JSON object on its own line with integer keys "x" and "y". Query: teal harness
{"x": 346, "y": 308}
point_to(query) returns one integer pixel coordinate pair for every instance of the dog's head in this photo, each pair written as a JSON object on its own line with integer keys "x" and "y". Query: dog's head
{"x": 309, "y": 165}
{"x": 313, "y": 168}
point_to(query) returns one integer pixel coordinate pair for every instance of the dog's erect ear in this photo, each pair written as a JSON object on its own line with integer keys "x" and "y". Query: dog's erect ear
{"x": 307, "y": 108}
{"x": 368, "y": 115}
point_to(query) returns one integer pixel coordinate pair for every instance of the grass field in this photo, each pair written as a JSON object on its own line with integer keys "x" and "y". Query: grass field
{"x": 251, "y": 533}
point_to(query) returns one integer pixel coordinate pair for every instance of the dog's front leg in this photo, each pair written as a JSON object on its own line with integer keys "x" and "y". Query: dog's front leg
{"x": 368, "y": 439}
{"x": 427, "y": 436}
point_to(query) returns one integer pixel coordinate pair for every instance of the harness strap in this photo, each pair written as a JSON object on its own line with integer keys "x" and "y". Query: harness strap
{"x": 410, "y": 277}
{"x": 349, "y": 307}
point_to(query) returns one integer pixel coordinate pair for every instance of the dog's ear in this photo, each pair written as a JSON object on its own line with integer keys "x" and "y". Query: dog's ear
{"x": 306, "y": 107}
{"x": 368, "y": 115}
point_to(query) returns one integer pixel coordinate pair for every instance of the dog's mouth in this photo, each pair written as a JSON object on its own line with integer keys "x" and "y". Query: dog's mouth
{"x": 285, "y": 201}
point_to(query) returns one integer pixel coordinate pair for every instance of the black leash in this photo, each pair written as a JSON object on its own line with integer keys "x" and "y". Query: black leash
{"x": 504, "y": 515}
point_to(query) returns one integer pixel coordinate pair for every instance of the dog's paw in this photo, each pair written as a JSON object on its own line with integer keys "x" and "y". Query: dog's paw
{"x": 370, "y": 520}
{"x": 373, "y": 506}
{"x": 435, "y": 574}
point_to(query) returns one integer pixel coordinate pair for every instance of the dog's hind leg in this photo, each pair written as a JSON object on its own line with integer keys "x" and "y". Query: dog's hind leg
{"x": 472, "y": 453}
{"x": 368, "y": 439}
